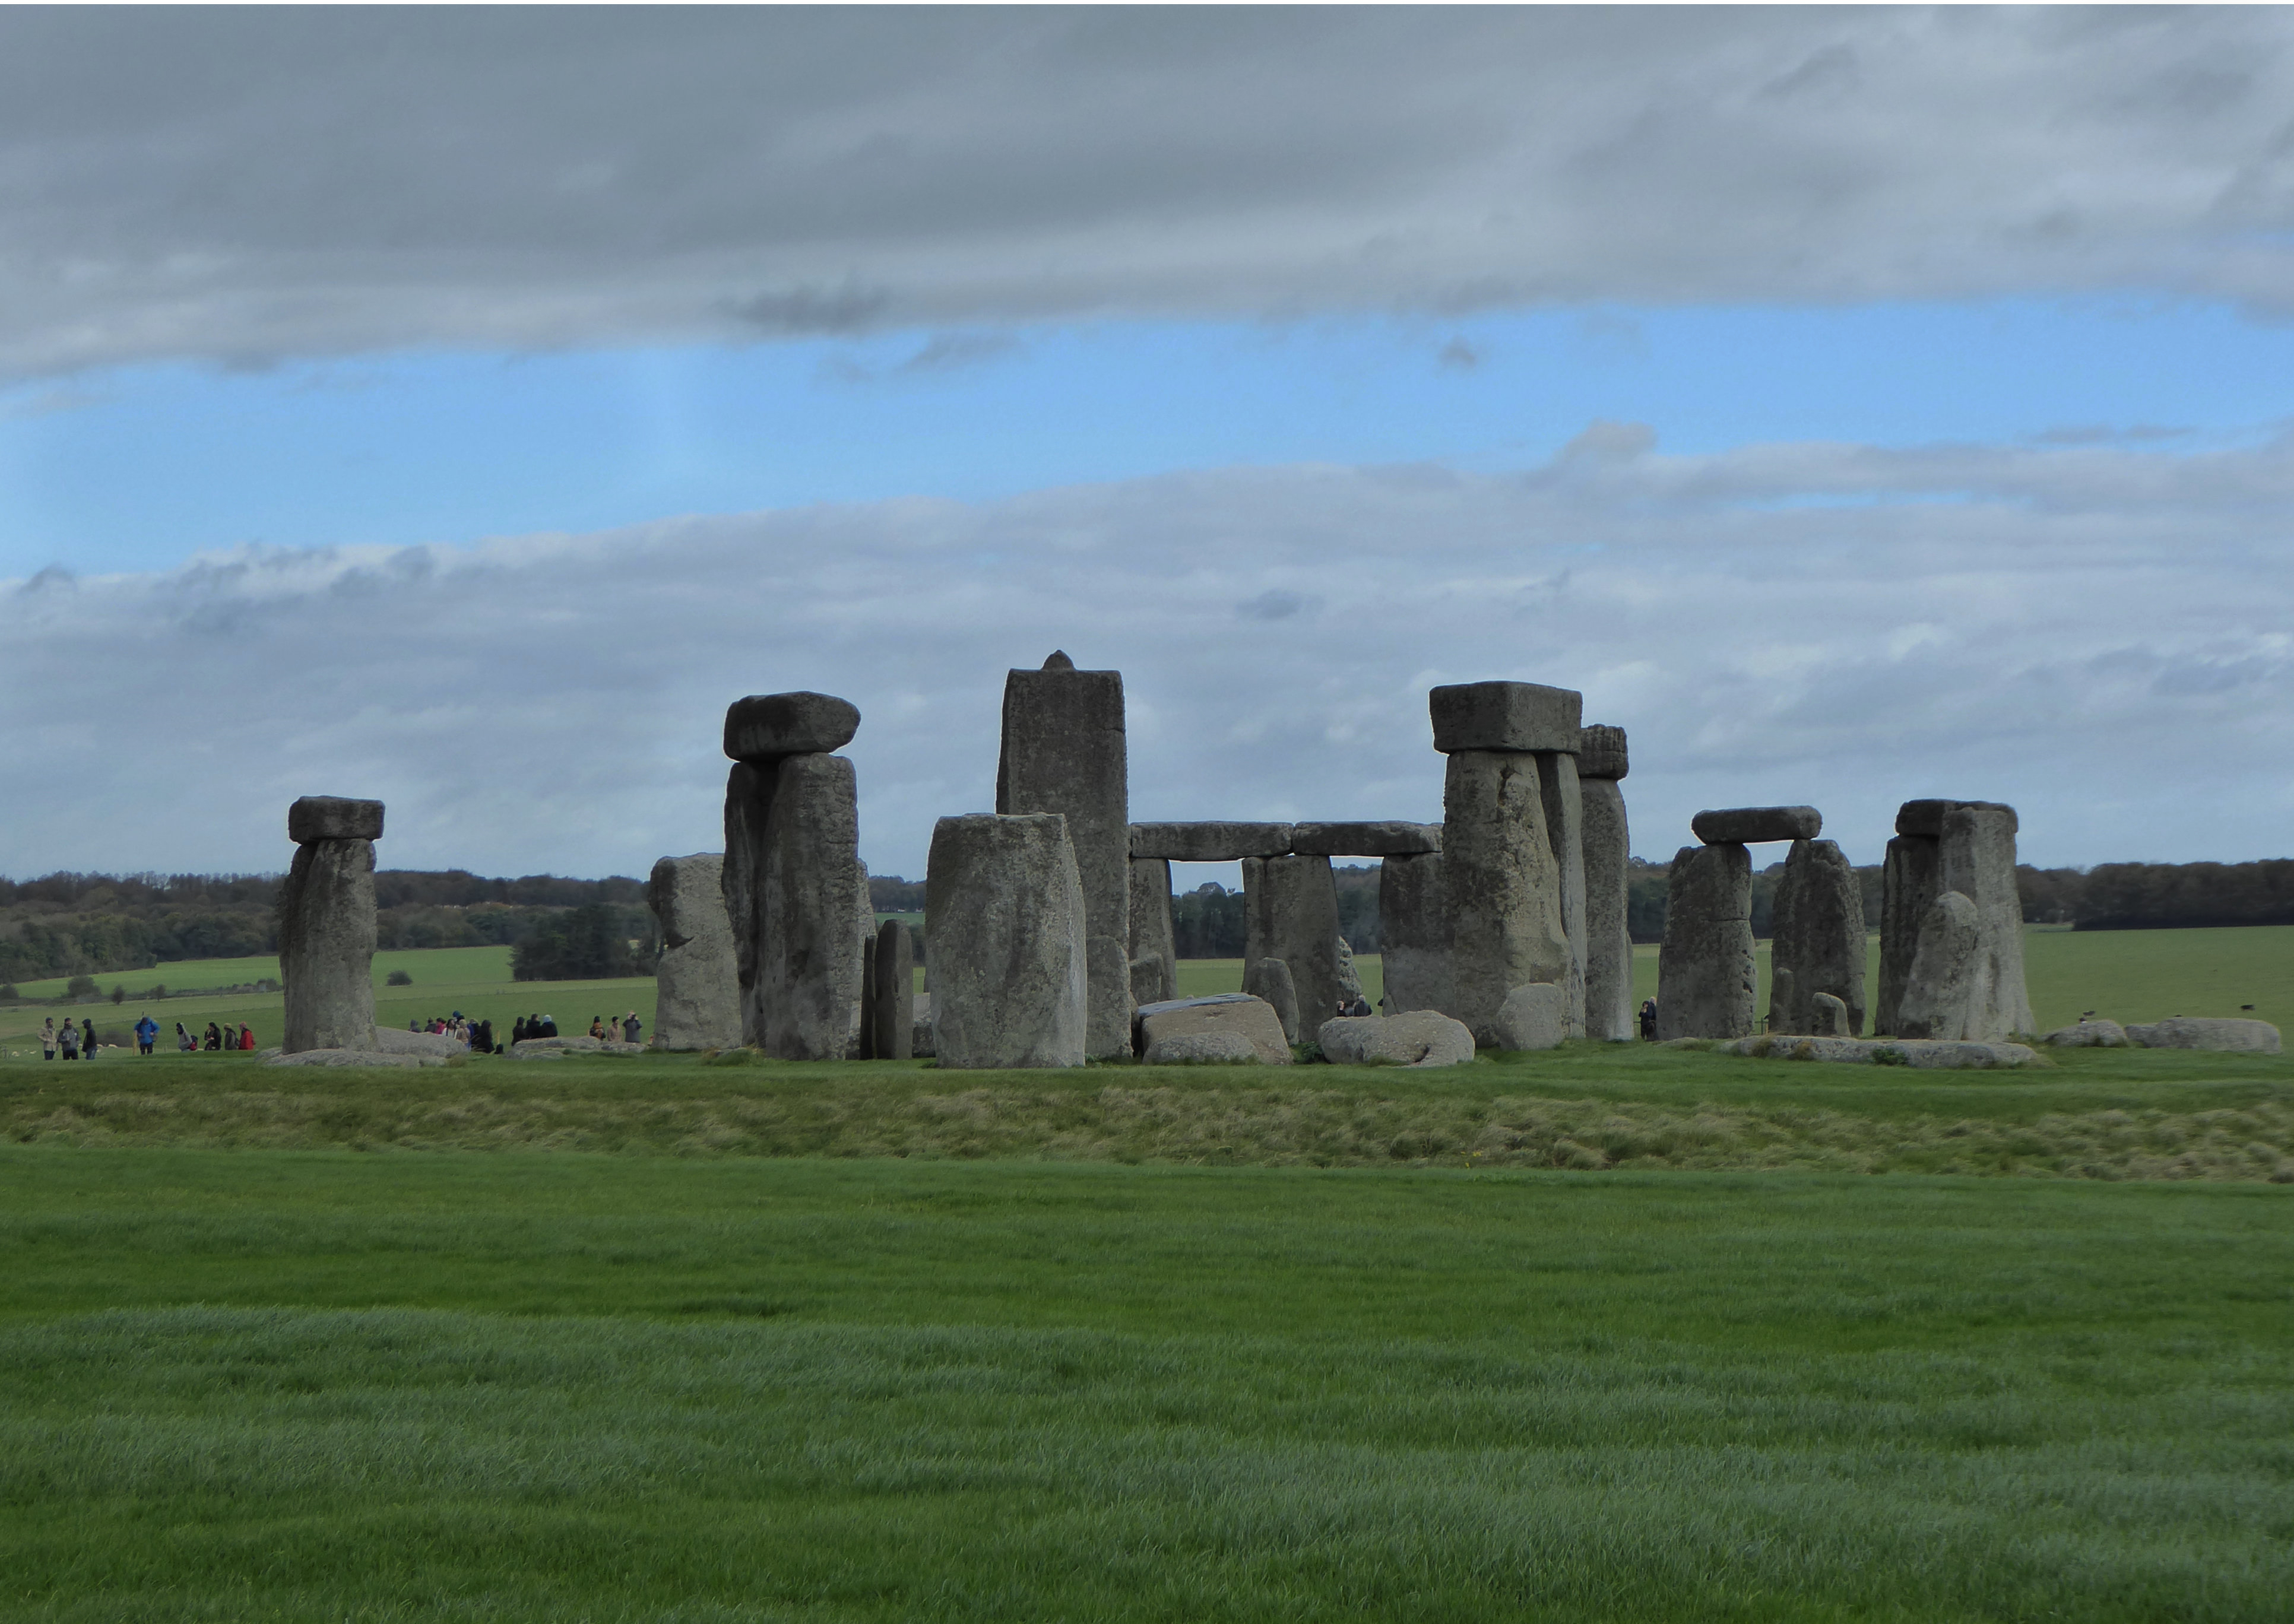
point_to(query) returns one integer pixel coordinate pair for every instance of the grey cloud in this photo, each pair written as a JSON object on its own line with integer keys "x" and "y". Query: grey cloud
{"x": 553, "y": 702}
{"x": 240, "y": 185}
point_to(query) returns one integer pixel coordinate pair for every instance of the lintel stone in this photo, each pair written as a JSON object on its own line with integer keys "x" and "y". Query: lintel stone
{"x": 331, "y": 818}
{"x": 1383, "y": 839}
{"x": 768, "y": 726}
{"x": 1505, "y": 715}
{"x": 1750, "y": 825}
{"x": 1210, "y": 842}
{"x": 1926, "y": 818}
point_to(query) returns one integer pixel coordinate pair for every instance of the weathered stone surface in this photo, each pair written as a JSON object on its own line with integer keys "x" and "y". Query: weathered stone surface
{"x": 1270, "y": 979}
{"x": 1533, "y": 1017}
{"x": 1907, "y": 890}
{"x": 355, "y": 1057}
{"x": 1290, "y": 910}
{"x": 1210, "y": 842}
{"x": 441, "y": 1045}
{"x": 1748, "y": 825}
{"x": 1816, "y": 941}
{"x": 1607, "y": 846}
{"x": 1926, "y": 818}
{"x": 1601, "y": 751}
{"x": 1413, "y": 923}
{"x": 894, "y": 1012}
{"x": 1064, "y": 752}
{"x": 1502, "y": 883}
{"x": 1977, "y": 859}
{"x": 1203, "y": 1049}
{"x": 860, "y": 1042}
{"x": 1505, "y": 715}
{"x": 697, "y": 974}
{"x": 559, "y": 1047}
{"x": 748, "y": 802}
{"x": 1010, "y": 967}
{"x": 2199, "y": 1031}
{"x": 920, "y": 1033}
{"x": 1704, "y": 969}
{"x": 326, "y": 947}
{"x": 1423, "y": 1037}
{"x": 331, "y": 818}
{"x": 1945, "y": 993}
{"x": 1254, "y": 1019}
{"x": 1364, "y": 840}
{"x": 1918, "y": 1054}
{"x": 1829, "y": 1017}
{"x": 1564, "y": 832}
{"x": 1152, "y": 936}
{"x": 1350, "y": 986}
{"x": 802, "y": 1000}
{"x": 2088, "y": 1035}
{"x": 766, "y": 727}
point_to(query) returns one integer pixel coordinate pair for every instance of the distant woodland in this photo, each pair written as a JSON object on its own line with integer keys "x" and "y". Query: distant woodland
{"x": 68, "y": 924}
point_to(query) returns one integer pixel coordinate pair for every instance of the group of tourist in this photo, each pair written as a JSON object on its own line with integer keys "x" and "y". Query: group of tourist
{"x": 623, "y": 1031}
{"x": 71, "y": 1042}
{"x": 75, "y": 1043}
{"x": 475, "y": 1036}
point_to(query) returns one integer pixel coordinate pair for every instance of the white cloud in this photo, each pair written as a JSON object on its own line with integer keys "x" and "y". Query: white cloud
{"x": 2094, "y": 634}
{"x": 250, "y": 184}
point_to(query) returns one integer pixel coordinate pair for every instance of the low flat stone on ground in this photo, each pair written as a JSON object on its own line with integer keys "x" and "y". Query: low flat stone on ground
{"x": 1390, "y": 840}
{"x": 1920, "y": 1054}
{"x": 1751, "y": 825}
{"x": 1210, "y": 842}
{"x": 767, "y": 727}
{"x": 354, "y": 1056}
{"x": 2088, "y": 1035}
{"x": 2204, "y": 1032}
{"x": 1253, "y": 1020}
{"x": 1517, "y": 715}
{"x": 1423, "y": 1038}
{"x": 1203, "y": 1049}
{"x": 395, "y": 1040}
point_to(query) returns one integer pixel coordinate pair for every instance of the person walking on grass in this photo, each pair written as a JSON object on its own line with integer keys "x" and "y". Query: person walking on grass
{"x": 185, "y": 1042}
{"x": 147, "y": 1033}
{"x": 87, "y": 1040}
{"x": 48, "y": 1038}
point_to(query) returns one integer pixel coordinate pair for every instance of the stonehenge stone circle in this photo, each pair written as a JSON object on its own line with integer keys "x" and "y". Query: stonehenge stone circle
{"x": 1817, "y": 942}
{"x": 1423, "y": 1037}
{"x": 1501, "y": 883}
{"x": 327, "y": 927}
{"x": 1270, "y": 979}
{"x": 1009, "y": 964}
{"x": 1391, "y": 839}
{"x": 1152, "y": 936}
{"x": 892, "y": 966}
{"x": 1064, "y": 752}
{"x": 1210, "y": 842}
{"x": 1413, "y": 913}
{"x": 1234, "y": 1014}
{"x": 1290, "y": 910}
{"x": 767, "y": 727}
{"x": 1608, "y": 848}
{"x": 1565, "y": 830}
{"x": 1705, "y": 968}
{"x": 700, "y": 988}
{"x": 1751, "y": 825}
{"x": 1533, "y": 1017}
{"x": 1510, "y": 716}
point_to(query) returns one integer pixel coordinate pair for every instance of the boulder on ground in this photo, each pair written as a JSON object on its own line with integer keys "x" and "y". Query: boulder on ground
{"x": 1269, "y": 979}
{"x": 1210, "y": 842}
{"x": 391, "y": 1040}
{"x": 1392, "y": 839}
{"x": 1422, "y": 1037}
{"x": 1533, "y": 1017}
{"x": 2201, "y": 1032}
{"x": 1750, "y": 825}
{"x": 1919, "y": 1053}
{"x": 2088, "y": 1035}
{"x": 1203, "y": 1049}
{"x": 1505, "y": 715}
{"x": 1254, "y": 1019}
{"x": 354, "y": 1056}
{"x": 558, "y": 1048}
{"x": 333, "y": 817}
{"x": 767, "y": 727}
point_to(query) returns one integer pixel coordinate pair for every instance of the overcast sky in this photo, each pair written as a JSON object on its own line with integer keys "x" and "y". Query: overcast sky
{"x": 463, "y": 407}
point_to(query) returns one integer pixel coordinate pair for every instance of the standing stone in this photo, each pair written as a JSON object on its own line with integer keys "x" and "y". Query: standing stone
{"x": 1911, "y": 879}
{"x": 1817, "y": 942}
{"x": 1064, "y": 752}
{"x": 1290, "y": 912}
{"x": 1977, "y": 848}
{"x": 1413, "y": 924}
{"x": 700, "y": 992}
{"x": 748, "y": 802}
{"x": 1503, "y": 884}
{"x": 862, "y": 1044}
{"x": 1828, "y": 1017}
{"x": 1908, "y": 890}
{"x": 327, "y": 927}
{"x": 1944, "y": 994}
{"x": 1607, "y": 848}
{"x": 1533, "y": 1017}
{"x": 1704, "y": 969}
{"x": 1270, "y": 979}
{"x": 1152, "y": 935}
{"x": 1563, "y": 803}
{"x": 1350, "y": 986}
{"x": 1009, "y": 973}
{"x": 893, "y": 967}
{"x": 804, "y": 1002}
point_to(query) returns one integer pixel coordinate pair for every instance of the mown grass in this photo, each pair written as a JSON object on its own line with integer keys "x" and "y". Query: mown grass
{"x": 296, "y": 1385}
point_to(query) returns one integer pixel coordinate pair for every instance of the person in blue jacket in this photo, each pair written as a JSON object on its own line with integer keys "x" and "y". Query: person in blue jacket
{"x": 146, "y": 1030}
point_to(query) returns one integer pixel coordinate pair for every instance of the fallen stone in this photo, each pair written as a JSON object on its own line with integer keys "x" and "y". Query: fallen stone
{"x": 1009, "y": 964}
{"x": 1514, "y": 716}
{"x": 1290, "y": 912}
{"x": 766, "y": 727}
{"x": 2202, "y": 1032}
{"x": 1422, "y": 1038}
{"x": 325, "y": 947}
{"x": 331, "y": 818}
{"x": 1210, "y": 842}
{"x": 1203, "y": 1049}
{"x": 893, "y": 966}
{"x": 1364, "y": 840}
{"x": 1601, "y": 751}
{"x": 559, "y": 1048}
{"x": 1606, "y": 848}
{"x": 1944, "y": 994}
{"x": 1270, "y": 979}
{"x": 1816, "y": 939}
{"x": 1706, "y": 967}
{"x": 1926, "y": 818}
{"x": 1064, "y": 751}
{"x": 1750, "y": 825}
{"x": 1532, "y": 1018}
{"x": 1253, "y": 1020}
{"x": 1919, "y": 1054}
{"x": 697, "y": 975}
{"x": 1830, "y": 1017}
{"x": 354, "y": 1056}
{"x": 2088, "y": 1035}
{"x": 1152, "y": 940}
{"x": 444, "y": 1045}
{"x": 1502, "y": 882}
{"x": 1413, "y": 915}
